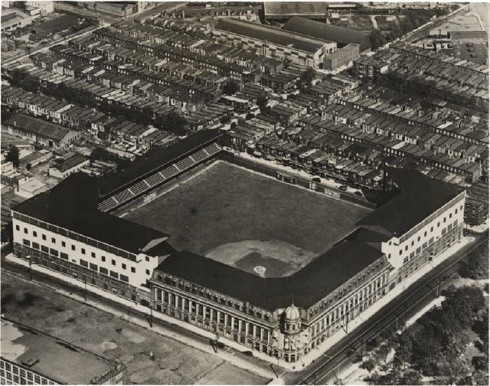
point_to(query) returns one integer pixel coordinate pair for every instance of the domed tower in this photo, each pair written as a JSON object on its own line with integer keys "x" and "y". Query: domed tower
{"x": 291, "y": 320}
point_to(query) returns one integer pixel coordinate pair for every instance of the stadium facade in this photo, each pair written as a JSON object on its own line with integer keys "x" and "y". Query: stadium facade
{"x": 70, "y": 230}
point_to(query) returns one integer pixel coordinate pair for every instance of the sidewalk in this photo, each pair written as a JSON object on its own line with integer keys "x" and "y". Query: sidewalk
{"x": 364, "y": 316}
{"x": 206, "y": 348}
{"x": 230, "y": 356}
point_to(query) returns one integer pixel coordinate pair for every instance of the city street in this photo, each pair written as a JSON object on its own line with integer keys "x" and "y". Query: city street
{"x": 143, "y": 351}
{"x": 412, "y": 299}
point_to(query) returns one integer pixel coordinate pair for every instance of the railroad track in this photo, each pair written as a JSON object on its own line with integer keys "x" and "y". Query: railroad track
{"x": 385, "y": 318}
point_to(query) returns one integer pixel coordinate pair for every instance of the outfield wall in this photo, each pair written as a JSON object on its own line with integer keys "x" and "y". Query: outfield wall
{"x": 298, "y": 180}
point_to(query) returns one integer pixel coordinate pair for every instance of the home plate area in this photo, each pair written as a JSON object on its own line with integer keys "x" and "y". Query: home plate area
{"x": 264, "y": 258}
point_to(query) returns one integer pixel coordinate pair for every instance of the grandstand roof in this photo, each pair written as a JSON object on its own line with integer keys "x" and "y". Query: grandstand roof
{"x": 309, "y": 285}
{"x": 334, "y": 33}
{"x": 419, "y": 198}
{"x": 294, "y": 40}
{"x": 61, "y": 206}
{"x": 155, "y": 159}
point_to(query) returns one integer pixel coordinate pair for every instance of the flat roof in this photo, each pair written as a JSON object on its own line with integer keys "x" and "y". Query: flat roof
{"x": 38, "y": 126}
{"x": 420, "y": 197}
{"x": 72, "y": 204}
{"x": 156, "y": 158}
{"x": 23, "y": 345}
{"x": 326, "y": 31}
{"x": 274, "y": 35}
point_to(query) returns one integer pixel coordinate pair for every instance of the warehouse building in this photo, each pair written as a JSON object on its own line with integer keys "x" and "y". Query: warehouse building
{"x": 283, "y": 317}
{"x": 265, "y": 40}
{"x": 31, "y": 357}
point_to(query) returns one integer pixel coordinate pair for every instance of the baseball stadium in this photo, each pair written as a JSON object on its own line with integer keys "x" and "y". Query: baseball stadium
{"x": 264, "y": 259}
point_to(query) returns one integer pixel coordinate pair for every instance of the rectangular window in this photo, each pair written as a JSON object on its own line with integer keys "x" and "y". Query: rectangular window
{"x": 114, "y": 274}
{"x": 26, "y": 242}
{"x": 84, "y": 263}
{"x": 93, "y": 266}
{"x": 72, "y": 247}
{"x": 17, "y": 228}
{"x": 103, "y": 270}
{"x": 53, "y": 240}
{"x": 54, "y": 252}
{"x": 147, "y": 271}
{"x": 44, "y": 237}
{"x": 92, "y": 254}
{"x": 123, "y": 266}
{"x": 124, "y": 278}
{"x": 113, "y": 262}
{"x": 103, "y": 258}
{"x": 133, "y": 270}
{"x": 35, "y": 245}
{"x": 63, "y": 244}
{"x": 44, "y": 248}
{"x": 26, "y": 231}
{"x": 83, "y": 251}
{"x": 34, "y": 233}
{"x": 64, "y": 256}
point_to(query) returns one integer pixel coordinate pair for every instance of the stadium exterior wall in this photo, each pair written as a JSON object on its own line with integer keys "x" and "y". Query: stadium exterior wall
{"x": 286, "y": 333}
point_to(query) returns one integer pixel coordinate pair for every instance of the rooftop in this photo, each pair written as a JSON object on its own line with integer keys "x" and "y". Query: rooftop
{"x": 38, "y": 126}
{"x": 326, "y": 31}
{"x": 419, "y": 198}
{"x": 43, "y": 354}
{"x": 274, "y": 35}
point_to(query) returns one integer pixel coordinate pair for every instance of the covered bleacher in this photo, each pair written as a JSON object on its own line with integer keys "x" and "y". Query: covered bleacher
{"x": 170, "y": 166}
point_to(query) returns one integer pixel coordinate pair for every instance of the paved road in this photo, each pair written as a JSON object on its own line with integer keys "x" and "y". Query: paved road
{"x": 45, "y": 48}
{"x": 45, "y": 280}
{"x": 324, "y": 369}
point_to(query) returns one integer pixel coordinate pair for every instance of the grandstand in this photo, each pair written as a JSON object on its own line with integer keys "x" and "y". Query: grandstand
{"x": 157, "y": 168}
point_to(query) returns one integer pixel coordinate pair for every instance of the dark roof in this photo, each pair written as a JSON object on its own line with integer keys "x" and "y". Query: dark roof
{"x": 309, "y": 285}
{"x": 56, "y": 25}
{"x": 155, "y": 159}
{"x": 285, "y": 9}
{"x": 161, "y": 249}
{"x": 70, "y": 163}
{"x": 334, "y": 33}
{"x": 270, "y": 34}
{"x": 37, "y": 126}
{"x": 72, "y": 204}
{"x": 420, "y": 197}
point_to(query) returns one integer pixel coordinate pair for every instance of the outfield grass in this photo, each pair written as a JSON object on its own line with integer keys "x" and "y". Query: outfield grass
{"x": 226, "y": 204}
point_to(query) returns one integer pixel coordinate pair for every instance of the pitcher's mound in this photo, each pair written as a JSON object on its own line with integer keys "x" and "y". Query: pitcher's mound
{"x": 265, "y": 258}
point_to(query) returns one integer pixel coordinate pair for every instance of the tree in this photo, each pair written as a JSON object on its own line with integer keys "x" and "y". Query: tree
{"x": 367, "y": 365}
{"x": 476, "y": 266}
{"x": 306, "y": 78}
{"x": 262, "y": 103}
{"x": 377, "y": 39}
{"x": 231, "y": 86}
{"x": 172, "y": 122}
{"x": 480, "y": 362}
{"x": 403, "y": 351}
{"x": 104, "y": 155}
{"x": 13, "y": 156}
{"x": 411, "y": 377}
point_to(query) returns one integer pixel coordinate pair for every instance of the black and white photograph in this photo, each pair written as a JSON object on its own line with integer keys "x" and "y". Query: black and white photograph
{"x": 244, "y": 193}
